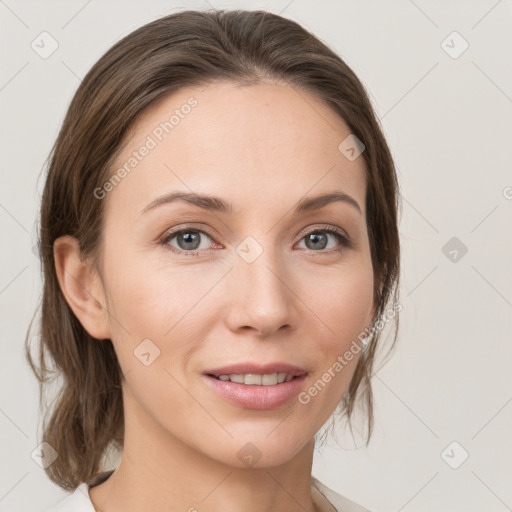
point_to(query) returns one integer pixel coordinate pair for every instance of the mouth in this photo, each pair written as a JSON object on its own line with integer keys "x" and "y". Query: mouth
{"x": 252, "y": 374}
{"x": 254, "y": 379}
{"x": 257, "y": 386}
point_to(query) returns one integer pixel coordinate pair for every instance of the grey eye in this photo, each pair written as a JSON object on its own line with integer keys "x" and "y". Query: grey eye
{"x": 316, "y": 241}
{"x": 187, "y": 239}
{"x": 319, "y": 240}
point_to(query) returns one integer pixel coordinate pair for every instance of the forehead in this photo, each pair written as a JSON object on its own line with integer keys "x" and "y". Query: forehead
{"x": 238, "y": 140}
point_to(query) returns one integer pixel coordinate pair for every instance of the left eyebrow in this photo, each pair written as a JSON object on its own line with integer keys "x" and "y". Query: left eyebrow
{"x": 317, "y": 202}
{"x": 217, "y": 204}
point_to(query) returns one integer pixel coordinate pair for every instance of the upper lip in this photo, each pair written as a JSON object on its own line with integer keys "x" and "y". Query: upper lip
{"x": 257, "y": 369}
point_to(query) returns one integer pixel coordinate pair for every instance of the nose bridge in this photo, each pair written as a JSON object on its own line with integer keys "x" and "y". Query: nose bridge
{"x": 263, "y": 299}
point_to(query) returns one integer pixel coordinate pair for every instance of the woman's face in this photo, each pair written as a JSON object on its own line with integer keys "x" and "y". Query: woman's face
{"x": 205, "y": 287}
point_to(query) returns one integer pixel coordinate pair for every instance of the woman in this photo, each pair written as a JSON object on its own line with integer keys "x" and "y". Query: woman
{"x": 219, "y": 239}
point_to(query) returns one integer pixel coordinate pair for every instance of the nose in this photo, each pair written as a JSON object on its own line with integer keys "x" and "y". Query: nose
{"x": 262, "y": 297}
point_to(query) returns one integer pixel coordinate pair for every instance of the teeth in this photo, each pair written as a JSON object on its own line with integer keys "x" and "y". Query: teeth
{"x": 251, "y": 379}
{"x": 269, "y": 380}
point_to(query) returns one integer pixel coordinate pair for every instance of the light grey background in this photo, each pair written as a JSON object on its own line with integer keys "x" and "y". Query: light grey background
{"x": 449, "y": 124}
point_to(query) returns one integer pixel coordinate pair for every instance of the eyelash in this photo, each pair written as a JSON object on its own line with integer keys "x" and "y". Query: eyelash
{"x": 342, "y": 238}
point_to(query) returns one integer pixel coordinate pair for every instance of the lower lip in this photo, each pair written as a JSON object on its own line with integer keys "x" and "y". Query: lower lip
{"x": 257, "y": 397}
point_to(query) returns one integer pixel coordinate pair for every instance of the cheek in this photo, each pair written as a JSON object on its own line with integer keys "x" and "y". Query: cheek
{"x": 136, "y": 299}
{"x": 351, "y": 308}
{"x": 149, "y": 299}
{"x": 343, "y": 304}
{"x": 343, "y": 301}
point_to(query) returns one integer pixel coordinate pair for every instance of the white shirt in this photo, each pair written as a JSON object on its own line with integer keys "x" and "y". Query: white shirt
{"x": 326, "y": 499}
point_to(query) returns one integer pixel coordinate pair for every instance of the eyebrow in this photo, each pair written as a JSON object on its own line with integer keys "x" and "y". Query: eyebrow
{"x": 219, "y": 205}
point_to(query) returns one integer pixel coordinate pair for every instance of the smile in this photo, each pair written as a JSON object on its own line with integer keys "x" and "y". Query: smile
{"x": 252, "y": 379}
{"x": 253, "y": 391}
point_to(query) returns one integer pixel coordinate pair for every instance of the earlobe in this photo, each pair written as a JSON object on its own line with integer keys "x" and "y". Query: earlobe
{"x": 81, "y": 286}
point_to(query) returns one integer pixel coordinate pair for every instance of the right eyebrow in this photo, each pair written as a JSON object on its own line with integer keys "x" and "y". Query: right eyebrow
{"x": 203, "y": 201}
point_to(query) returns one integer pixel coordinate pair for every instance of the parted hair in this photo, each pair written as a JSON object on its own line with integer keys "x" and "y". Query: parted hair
{"x": 85, "y": 418}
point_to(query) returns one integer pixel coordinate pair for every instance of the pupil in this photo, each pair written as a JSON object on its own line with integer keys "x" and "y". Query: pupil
{"x": 318, "y": 240}
{"x": 189, "y": 239}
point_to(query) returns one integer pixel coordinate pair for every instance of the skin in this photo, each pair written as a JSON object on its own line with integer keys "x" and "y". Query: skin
{"x": 261, "y": 147}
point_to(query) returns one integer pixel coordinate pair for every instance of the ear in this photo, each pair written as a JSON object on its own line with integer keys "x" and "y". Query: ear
{"x": 82, "y": 287}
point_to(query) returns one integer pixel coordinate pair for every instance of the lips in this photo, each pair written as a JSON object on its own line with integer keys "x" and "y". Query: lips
{"x": 257, "y": 369}
{"x": 253, "y": 386}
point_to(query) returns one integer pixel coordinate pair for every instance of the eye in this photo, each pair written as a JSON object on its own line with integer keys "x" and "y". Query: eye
{"x": 187, "y": 241}
{"x": 318, "y": 240}
{"x": 192, "y": 241}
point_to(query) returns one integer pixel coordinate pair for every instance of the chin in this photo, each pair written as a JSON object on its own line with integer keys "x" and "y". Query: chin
{"x": 260, "y": 449}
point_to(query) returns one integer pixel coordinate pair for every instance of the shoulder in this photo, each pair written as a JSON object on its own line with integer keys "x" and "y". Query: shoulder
{"x": 340, "y": 503}
{"x": 77, "y": 501}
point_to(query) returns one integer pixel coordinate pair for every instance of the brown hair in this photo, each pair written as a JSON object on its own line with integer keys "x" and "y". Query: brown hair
{"x": 183, "y": 49}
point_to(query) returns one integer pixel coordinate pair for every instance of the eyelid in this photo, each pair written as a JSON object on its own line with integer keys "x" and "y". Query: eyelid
{"x": 344, "y": 239}
{"x": 324, "y": 227}
{"x": 345, "y": 242}
{"x": 188, "y": 227}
